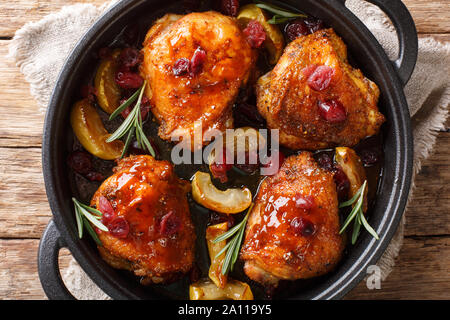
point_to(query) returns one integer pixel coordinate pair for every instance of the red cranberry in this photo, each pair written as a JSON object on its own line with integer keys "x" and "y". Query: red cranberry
{"x": 95, "y": 176}
{"x": 309, "y": 70}
{"x": 332, "y": 111}
{"x": 325, "y": 162}
{"x": 119, "y": 227}
{"x": 302, "y": 27}
{"x": 305, "y": 202}
{"x": 105, "y": 207}
{"x": 230, "y": 7}
{"x": 369, "y": 157}
{"x": 320, "y": 79}
{"x": 255, "y": 34}
{"x": 342, "y": 184}
{"x": 220, "y": 168}
{"x": 295, "y": 29}
{"x": 145, "y": 108}
{"x": 129, "y": 80}
{"x": 216, "y": 218}
{"x": 130, "y": 57}
{"x": 303, "y": 227}
{"x": 181, "y": 67}
{"x": 314, "y": 24}
{"x": 272, "y": 167}
{"x": 170, "y": 224}
{"x": 197, "y": 61}
{"x": 80, "y": 162}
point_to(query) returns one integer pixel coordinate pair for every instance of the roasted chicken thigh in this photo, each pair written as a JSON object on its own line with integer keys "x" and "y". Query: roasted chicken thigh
{"x": 293, "y": 228}
{"x": 195, "y": 65}
{"x": 315, "y": 98}
{"x": 145, "y": 208}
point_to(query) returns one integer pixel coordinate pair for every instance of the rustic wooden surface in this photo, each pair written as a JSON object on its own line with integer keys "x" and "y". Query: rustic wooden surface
{"x": 422, "y": 270}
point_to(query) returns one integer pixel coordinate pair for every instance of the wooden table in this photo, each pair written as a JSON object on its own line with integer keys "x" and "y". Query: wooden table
{"x": 421, "y": 271}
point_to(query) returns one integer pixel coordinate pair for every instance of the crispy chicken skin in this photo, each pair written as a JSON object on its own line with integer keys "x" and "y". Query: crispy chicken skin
{"x": 144, "y": 190}
{"x": 287, "y": 102}
{"x": 276, "y": 247}
{"x": 180, "y": 100}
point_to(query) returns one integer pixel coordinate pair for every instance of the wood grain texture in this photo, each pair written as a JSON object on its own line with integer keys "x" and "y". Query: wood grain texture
{"x": 422, "y": 269}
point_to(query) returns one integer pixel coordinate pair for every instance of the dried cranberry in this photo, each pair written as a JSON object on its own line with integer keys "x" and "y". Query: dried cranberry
{"x": 314, "y": 24}
{"x": 130, "y": 57}
{"x": 369, "y": 157}
{"x": 129, "y": 80}
{"x": 295, "y": 29}
{"x": 332, "y": 111}
{"x": 216, "y": 218}
{"x": 105, "y": 207}
{"x": 88, "y": 92}
{"x": 145, "y": 108}
{"x": 302, "y": 27}
{"x": 304, "y": 201}
{"x": 303, "y": 227}
{"x": 119, "y": 227}
{"x": 197, "y": 61}
{"x": 325, "y": 162}
{"x": 80, "y": 162}
{"x": 309, "y": 70}
{"x": 170, "y": 224}
{"x": 220, "y": 167}
{"x": 273, "y": 165}
{"x": 230, "y": 7}
{"x": 245, "y": 114}
{"x": 342, "y": 184}
{"x": 95, "y": 176}
{"x": 255, "y": 34}
{"x": 181, "y": 67}
{"x": 320, "y": 79}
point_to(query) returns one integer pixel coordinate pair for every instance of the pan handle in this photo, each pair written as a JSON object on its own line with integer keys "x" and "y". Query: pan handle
{"x": 48, "y": 265}
{"x": 407, "y": 36}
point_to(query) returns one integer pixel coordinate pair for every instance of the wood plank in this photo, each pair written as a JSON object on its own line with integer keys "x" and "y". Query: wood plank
{"x": 24, "y": 210}
{"x": 18, "y": 269}
{"x": 430, "y": 16}
{"x": 14, "y": 14}
{"x": 422, "y": 271}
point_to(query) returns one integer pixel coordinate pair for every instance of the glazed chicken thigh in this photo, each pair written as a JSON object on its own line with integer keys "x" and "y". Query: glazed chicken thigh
{"x": 145, "y": 208}
{"x": 195, "y": 65}
{"x": 293, "y": 228}
{"x": 315, "y": 98}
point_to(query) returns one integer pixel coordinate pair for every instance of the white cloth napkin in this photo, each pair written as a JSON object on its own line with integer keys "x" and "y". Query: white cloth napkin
{"x": 40, "y": 48}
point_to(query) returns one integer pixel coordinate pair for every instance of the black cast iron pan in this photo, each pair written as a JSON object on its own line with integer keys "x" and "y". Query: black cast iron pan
{"x": 390, "y": 76}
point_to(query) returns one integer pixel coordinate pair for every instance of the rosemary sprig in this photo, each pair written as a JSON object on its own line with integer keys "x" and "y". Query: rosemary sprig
{"x": 280, "y": 15}
{"x": 85, "y": 214}
{"x": 357, "y": 215}
{"x": 132, "y": 125}
{"x": 233, "y": 246}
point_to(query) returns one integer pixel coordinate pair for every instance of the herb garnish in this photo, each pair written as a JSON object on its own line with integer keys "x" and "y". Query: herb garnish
{"x": 85, "y": 214}
{"x": 233, "y": 246}
{"x": 132, "y": 124}
{"x": 280, "y": 15}
{"x": 357, "y": 214}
